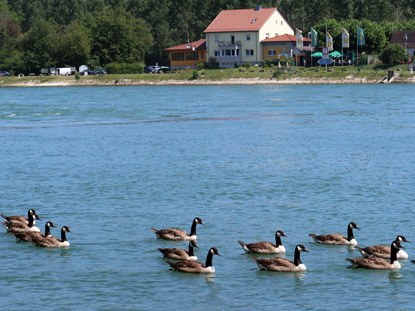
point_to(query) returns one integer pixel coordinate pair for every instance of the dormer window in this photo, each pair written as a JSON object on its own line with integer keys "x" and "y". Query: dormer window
{"x": 254, "y": 20}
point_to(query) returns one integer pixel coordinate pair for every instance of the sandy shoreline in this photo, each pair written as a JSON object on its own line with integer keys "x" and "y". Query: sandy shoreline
{"x": 240, "y": 81}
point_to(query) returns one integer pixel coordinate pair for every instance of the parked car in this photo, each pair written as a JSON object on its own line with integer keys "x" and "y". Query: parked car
{"x": 100, "y": 72}
{"x": 151, "y": 69}
{"x": 156, "y": 69}
{"x": 4, "y": 74}
{"x": 92, "y": 72}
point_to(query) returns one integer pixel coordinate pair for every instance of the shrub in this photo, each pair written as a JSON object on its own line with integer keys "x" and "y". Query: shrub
{"x": 277, "y": 73}
{"x": 195, "y": 75}
{"x": 393, "y": 54}
{"x": 201, "y": 66}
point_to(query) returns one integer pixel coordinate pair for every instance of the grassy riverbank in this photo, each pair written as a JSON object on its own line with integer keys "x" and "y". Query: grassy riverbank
{"x": 252, "y": 75}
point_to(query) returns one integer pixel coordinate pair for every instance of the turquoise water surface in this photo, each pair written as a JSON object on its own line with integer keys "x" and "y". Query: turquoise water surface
{"x": 112, "y": 162}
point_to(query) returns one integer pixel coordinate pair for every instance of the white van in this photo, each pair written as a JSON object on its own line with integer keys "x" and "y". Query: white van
{"x": 64, "y": 71}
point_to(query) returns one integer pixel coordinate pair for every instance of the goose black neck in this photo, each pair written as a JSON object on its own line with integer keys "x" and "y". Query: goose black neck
{"x": 30, "y": 219}
{"x": 394, "y": 253}
{"x": 278, "y": 241}
{"x": 47, "y": 230}
{"x": 191, "y": 253}
{"x": 297, "y": 260}
{"x": 29, "y": 215}
{"x": 193, "y": 229}
{"x": 350, "y": 235}
{"x": 209, "y": 258}
{"x": 63, "y": 235}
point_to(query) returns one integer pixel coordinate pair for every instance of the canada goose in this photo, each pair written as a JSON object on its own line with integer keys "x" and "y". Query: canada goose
{"x": 179, "y": 253}
{"x": 337, "y": 239}
{"x": 266, "y": 247}
{"x": 283, "y": 264}
{"x": 22, "y": 219}
{"x": 179, "y": 234}
{"x": 379, "y": 263}
{"x": 52, "y": 241}
{"x": 29, "y": 235}
{"x": 21, "y": 227}
{"x": 191, "y": 266}
{"x": 383, "y": 251}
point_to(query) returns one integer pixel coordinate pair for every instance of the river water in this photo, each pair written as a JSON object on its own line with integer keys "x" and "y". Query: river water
{"x": 112, "y": 162}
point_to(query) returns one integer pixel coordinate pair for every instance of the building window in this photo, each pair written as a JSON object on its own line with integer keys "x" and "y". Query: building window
{"x": 266, "y": 35}
{"x": 202, "y": 54}
{"x": 248, "y": 37}
{"x": 272, "y": 52}
{"x": 281, "y": 22}
{"x": 177, "y": 56}
{"x": 191, "y": 56}
{"x": 276, "y": 34}
{"x": 249, "y": 52}
{"x": 216, "y": 38}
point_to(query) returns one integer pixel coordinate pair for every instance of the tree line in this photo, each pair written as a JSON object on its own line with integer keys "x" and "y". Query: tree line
{"x": 44, "y": 33}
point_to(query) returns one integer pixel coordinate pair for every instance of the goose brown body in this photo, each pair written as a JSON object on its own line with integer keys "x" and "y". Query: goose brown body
{"x": 265, "y": 247}
{"x": 337, "y": 239}
{"x": 179, "y": 234}
{"x": 383, "y": 251}
{"x": 283, "y": 264}
{"x": 379, "y": 263}
{"x": 30, "y": 235}
{"x": 20, "y": 227}
{"x": 190, "y": 266}
{"x": 179, "y": 253}
{"x": 50, "y": 241}
{"x": 22, "y": 219}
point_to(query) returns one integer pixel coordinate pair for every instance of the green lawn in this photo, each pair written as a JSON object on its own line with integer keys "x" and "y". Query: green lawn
{"x": 369, "y": 72}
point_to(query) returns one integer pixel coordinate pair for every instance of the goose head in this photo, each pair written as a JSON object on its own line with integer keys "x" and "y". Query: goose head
{"x": 353, "y": 225}
{"x": 66, "y": 229}
{"x": 50, "y": 224}
{"x": 32, "y": 212}
{"x": 198, "y": 220}
{"x": 301, "y": 248}
{"x": 401, "y": 238}
{"x": 214, "y": 251}
{"x": 280, "y": 233}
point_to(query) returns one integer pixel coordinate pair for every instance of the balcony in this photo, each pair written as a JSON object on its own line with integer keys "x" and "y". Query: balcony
{"x": 229, "y": 43}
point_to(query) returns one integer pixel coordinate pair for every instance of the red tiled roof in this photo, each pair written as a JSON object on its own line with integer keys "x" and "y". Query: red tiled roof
{"x": 284, "y": 38}
{"x": 240, "y": 20}
{"x": 200, "y": 45}
{"x": 399, "y": 37}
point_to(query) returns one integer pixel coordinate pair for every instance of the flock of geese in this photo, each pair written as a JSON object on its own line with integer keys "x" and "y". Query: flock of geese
{"x": 380, "y": 257}
{"x": 24, "y": 229}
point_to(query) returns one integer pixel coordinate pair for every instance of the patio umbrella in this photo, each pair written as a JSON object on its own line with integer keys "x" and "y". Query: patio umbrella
{"x": 335, "y": 54}
{"x": 317, "y": 54}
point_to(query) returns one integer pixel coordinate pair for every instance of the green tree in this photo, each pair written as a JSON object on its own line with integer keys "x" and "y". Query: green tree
{"x": 393, "y": 54}
{"x": 118, "y": 37}
{"x": 73, "y": 46}
{"x": 39, "y": 46}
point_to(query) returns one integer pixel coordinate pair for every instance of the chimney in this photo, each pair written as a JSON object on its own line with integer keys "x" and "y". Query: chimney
{"x": 258, "y": 8}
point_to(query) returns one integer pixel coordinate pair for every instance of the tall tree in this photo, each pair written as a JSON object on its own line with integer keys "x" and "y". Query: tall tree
{"x": 118, "y": 37}
{"x": 39, "y": 46}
